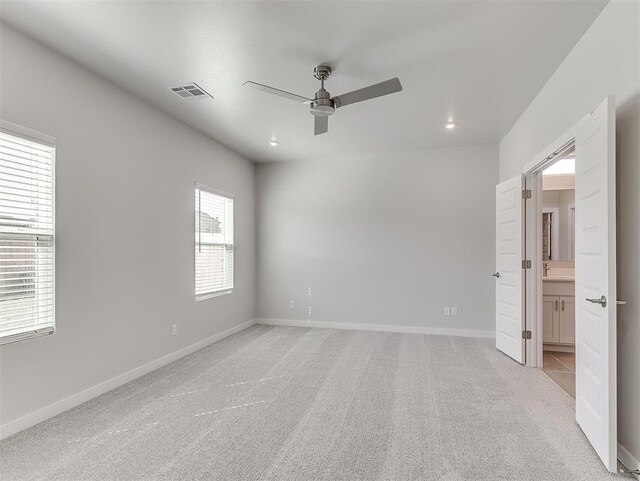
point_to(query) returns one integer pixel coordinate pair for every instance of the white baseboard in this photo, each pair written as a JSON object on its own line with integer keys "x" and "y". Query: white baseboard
{"x": 31, "y": 419}
{"x": 379, "y": 327}
{"x": 626, "y": 458}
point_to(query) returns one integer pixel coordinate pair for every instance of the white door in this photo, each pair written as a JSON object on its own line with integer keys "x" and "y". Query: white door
{"x": 509, "y": 273}
{"x": 596, "y": 281}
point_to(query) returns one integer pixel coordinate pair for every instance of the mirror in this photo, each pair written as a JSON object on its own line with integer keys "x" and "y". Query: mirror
{"x": 558, "y": 210}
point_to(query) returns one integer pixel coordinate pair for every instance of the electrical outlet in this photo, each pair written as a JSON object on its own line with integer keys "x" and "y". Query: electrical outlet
{"x": 292, "y": 305}
{"x": 454, "y": 311}
{"x": 174, "y": 329}
{"x": 447, "y": 311}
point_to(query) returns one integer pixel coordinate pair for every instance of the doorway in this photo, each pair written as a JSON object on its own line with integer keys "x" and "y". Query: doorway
{"x": 519, "y": 272}
{"x": 557, "y": 191}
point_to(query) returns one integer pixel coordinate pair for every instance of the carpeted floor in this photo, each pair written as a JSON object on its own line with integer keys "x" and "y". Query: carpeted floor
{"x": 280, "y": 403}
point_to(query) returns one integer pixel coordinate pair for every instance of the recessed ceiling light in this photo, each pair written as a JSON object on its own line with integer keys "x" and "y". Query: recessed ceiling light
{"x": 450, "y": 125}
{"x": 274, "y": 143}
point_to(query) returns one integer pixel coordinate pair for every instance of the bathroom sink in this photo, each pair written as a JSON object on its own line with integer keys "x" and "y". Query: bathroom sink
{"x": 559, "y": 278}
{"x": 566, "y": 274}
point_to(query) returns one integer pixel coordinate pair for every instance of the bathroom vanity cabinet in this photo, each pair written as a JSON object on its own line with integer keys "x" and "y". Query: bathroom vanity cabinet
{"x": 559, "y": 312}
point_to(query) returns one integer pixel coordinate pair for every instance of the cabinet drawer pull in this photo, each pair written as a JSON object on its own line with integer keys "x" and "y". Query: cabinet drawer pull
{"x": 563, "y": 305}
{"x": 556, "y": 304}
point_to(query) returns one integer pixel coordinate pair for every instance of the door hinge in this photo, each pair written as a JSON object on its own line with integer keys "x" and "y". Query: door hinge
{"x": 526, "y": 334}
{"x": 526, "y": 194}
{"x": 526, "y": 264}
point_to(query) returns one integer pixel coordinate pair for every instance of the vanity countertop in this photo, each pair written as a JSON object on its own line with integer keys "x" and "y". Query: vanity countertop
{"x": 559, "y": 278}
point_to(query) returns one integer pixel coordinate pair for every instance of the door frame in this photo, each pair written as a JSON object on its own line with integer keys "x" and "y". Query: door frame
{"x": 533, "y": 243}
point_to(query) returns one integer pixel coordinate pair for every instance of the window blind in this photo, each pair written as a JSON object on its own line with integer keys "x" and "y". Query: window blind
{"x": 214, "y": 243}
{"x": 26, "y": 237}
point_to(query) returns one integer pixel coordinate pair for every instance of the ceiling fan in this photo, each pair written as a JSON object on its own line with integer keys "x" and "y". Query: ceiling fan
{"x": 323, "y": 105}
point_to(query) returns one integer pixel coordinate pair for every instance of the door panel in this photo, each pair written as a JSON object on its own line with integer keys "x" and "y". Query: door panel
{"x": 567, "y": 320}
{"x": 509, "y": 255}
{"x": 549, "y": 318}
{"x": 595, "y": 327}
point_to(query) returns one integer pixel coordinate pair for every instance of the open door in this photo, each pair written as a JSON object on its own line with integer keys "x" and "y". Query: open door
{"x": 509, "y": 273}
{"x": 596, "y": 281}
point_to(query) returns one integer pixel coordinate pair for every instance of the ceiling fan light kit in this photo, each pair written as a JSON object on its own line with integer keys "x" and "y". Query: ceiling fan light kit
{"x": 322, "y": 105}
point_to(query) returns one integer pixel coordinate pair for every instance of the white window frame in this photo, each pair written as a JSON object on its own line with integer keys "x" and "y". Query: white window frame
{"x": 44, "y": 139}
{"x": 223, "y": 291}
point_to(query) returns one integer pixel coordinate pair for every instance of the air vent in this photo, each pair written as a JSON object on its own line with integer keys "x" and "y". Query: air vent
{"x": 191, "y": 91}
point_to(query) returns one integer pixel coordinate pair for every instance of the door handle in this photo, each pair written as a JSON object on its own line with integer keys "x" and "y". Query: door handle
{"x": 621, "y": 303}
{"x": 496, "y": 275}
{"x": 556, "y": 304}
{"x": 563, "y": 305}
{"x": 602, "y": 301}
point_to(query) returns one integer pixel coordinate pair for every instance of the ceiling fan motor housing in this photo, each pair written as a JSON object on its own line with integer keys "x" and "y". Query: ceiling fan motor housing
{"x": 322, "y": 106}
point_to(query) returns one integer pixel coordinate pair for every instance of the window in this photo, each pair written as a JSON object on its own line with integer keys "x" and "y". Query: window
{"x": 214, "y": 243}
{"x": 26, "y": 236}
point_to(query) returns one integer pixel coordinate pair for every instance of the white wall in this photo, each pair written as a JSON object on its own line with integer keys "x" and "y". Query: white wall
{"x": 604, "y": 62}
{"x": 385, "y": 240}
{"x": 125, "y": 229}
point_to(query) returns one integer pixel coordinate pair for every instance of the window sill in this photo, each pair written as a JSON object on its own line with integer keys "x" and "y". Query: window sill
{"x": 210, "y": 295}
{"x": 23, "y": 336}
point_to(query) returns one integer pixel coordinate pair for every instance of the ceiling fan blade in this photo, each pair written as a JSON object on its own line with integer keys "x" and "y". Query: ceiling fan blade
{"x": 278, "y": 92}
{"x": 320, "y": 125}
{"x": 371, "y": 92}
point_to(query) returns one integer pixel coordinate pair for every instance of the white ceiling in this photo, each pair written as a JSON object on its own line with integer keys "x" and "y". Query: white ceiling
{"x": 479, "y": 63}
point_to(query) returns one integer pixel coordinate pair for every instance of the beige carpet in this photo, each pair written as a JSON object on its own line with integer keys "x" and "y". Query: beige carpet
{"x": 276, "y": 403}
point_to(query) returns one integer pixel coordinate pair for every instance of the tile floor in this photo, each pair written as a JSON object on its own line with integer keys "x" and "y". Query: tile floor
{"x": 561, "y": 367}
